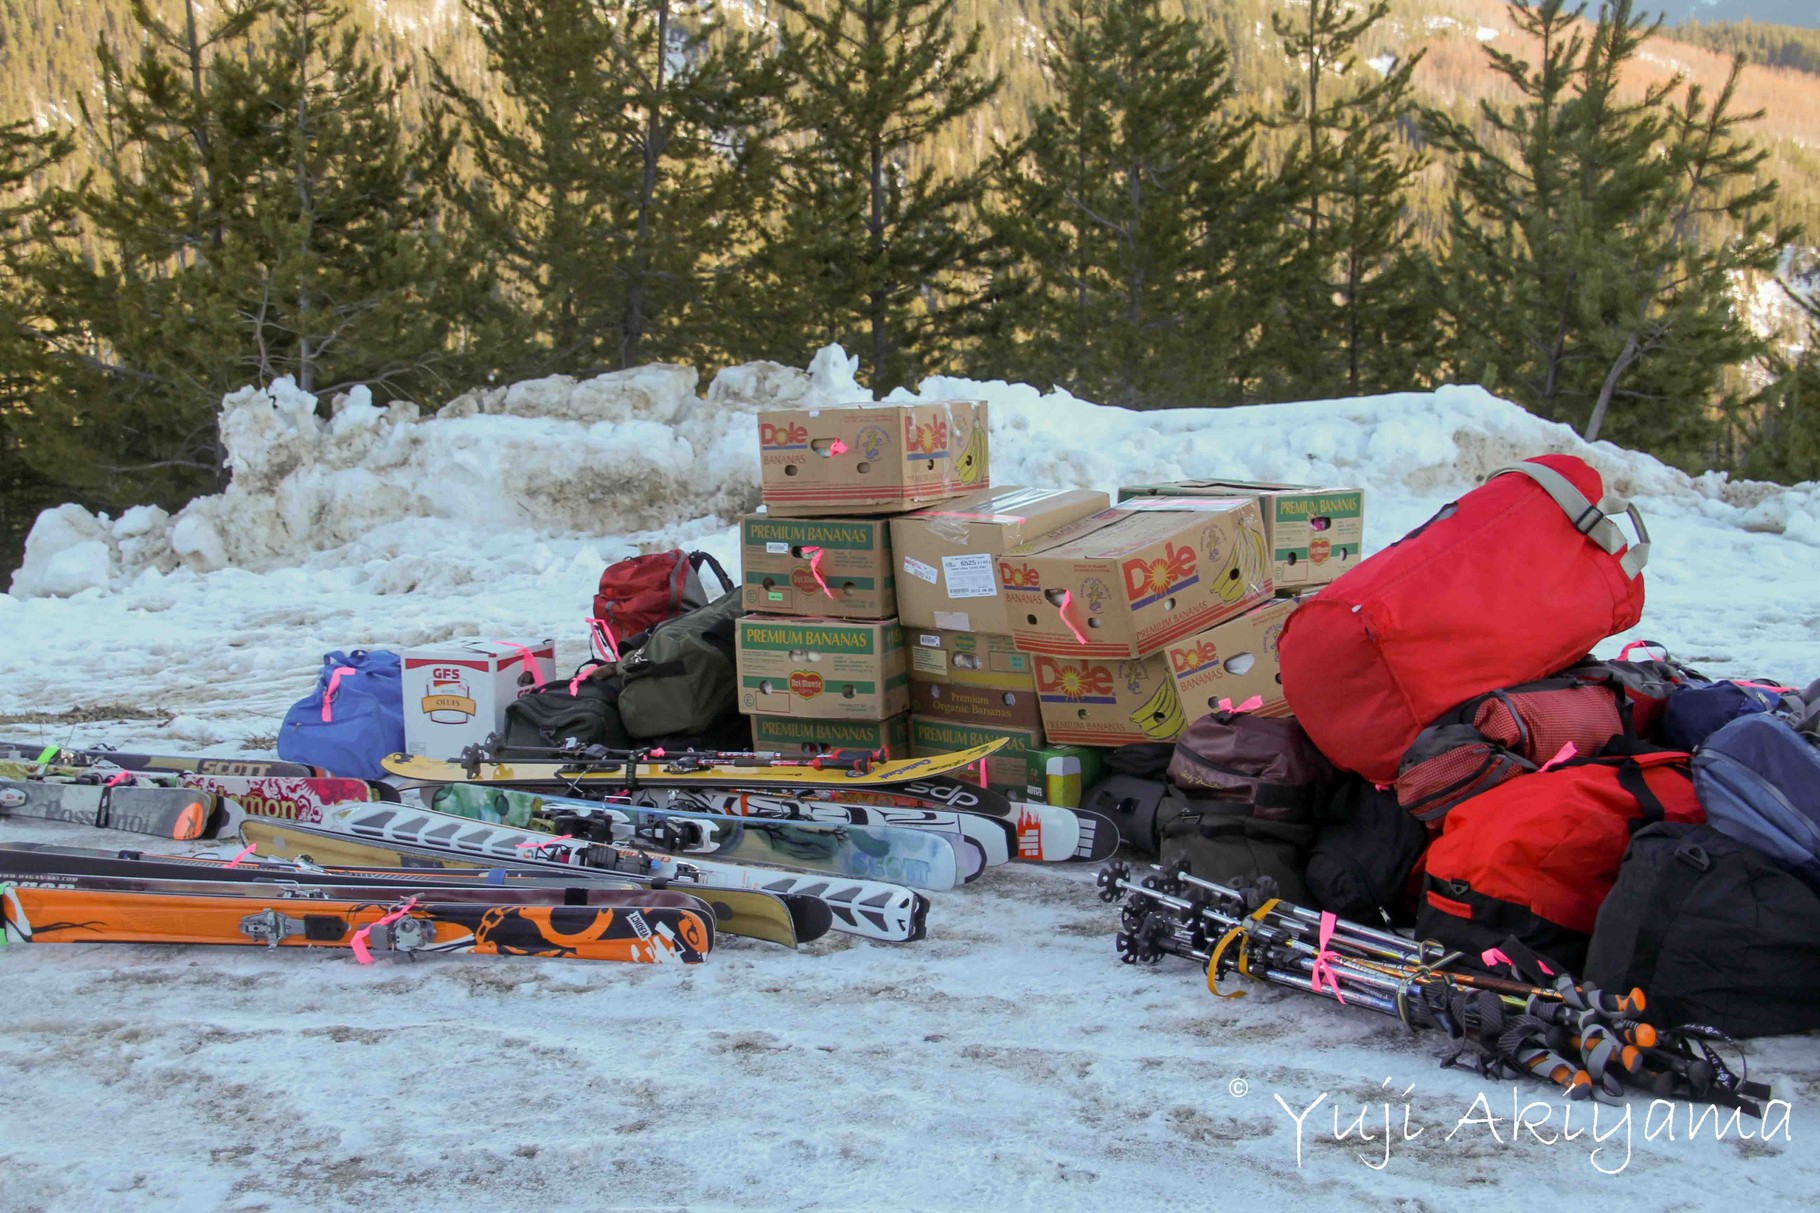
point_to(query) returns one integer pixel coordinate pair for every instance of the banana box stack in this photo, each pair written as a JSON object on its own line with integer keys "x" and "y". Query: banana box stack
{"x": 822, "y": 661}
{"x": 969, "y": 683}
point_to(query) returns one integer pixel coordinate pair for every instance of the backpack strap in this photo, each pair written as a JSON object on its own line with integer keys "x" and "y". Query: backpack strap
{"x": 698, "y": 559}
{"x": 1589, "y": 519}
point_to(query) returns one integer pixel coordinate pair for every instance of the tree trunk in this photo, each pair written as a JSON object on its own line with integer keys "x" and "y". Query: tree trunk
{"x": 1625, "y": 357}
{"x": 633, "y": 330}
{"x": 306, "y": 345}
{"x": 199, "y": 131}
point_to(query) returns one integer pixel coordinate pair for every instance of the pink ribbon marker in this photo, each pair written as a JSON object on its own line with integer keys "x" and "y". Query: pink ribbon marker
{"x": 116, "y": 781}
{"x": 1250, "y": 705}
{"x": 334, "y": 682}
{"x": 1625, "y": 652}
{"x": 247, "y": 850}
{"x": 1067, "y": 598}
{"x": 530, "y": 666}
{"x": 1491, "y": 958}
{"x": 1771, "y": 687}
{"x": 544, "y": 842}
{"x": 815, "y": 567}
{"x": 837, "y": 447}
{"x": 1561, "y": 755}
{"x": 606, "y": 647}
{"x": 1322, "y": 976}
{"x": 358, "y": 944}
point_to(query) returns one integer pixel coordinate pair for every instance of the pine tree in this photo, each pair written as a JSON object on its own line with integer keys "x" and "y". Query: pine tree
{"x": 1132, "y": 214}
{"x": 614, "y": 177}
{"x": 1785, "y": 442}
{"x": 1360, "y": 317}
{"x": 872, "y": 249}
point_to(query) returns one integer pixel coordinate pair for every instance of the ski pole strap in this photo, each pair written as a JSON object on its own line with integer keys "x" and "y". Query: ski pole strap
{"x": 1588, "y": 518}
{"x": 1322, "y": 976}
{"x": 1242, "y": 933}
{"x": 359, "y": 942}
{"x": 815, "y": 568}
{"x": 328, "y": 693}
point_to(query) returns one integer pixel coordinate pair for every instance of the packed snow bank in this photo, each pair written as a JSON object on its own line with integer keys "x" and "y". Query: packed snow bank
{"x": 639, "y": 451}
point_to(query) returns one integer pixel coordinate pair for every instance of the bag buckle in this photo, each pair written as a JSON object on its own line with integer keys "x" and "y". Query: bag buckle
{"x": 1589, "y": 518}
{"x": 1695, "y": 857}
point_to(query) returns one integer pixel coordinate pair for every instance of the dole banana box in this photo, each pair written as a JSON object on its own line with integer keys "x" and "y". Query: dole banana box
{"x": 947, "y": 572}
{"x": 1126, "y": 581}
{"x": 456, "y": 694}
{"x": 972, "y": 678}
{"x": 821, "y": 668}
{"x": 871, "y": 458}
{"x": 793, "y": 735}
{"x": 1107, "y": 701}
{"x": 1314, "y": 533}
{"x": 1005, "y": 768}
{"x": 835, "y": 568}
{"x": 1233, "y": 661}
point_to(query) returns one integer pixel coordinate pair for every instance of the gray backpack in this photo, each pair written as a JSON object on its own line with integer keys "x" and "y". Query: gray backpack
{"x": 682, "y": 678}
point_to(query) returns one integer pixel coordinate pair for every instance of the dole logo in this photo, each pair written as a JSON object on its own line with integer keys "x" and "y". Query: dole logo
{"x": 781, "y": 436}
{"x": 930, "y": 437}
{"x": 1198, "y": 656}
{"x": 1018, "y": 576}
{"x": 1146, "y": 579}
{"x": 806, "y": 683}
{"x": 1072, "y": 681}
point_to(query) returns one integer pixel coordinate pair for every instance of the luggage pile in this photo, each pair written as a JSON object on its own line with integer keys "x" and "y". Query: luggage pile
{"x": 1457, "y": 770}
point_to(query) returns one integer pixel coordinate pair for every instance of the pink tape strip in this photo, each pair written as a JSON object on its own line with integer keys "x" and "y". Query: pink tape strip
{"x": 328, "y": 695}
{"x": 358, "y": 944}
{"x": 1080, "y": 637}
{"x": 815, "y": 567}
{"x": 1625, "y": 652}
{"x": 1250, "y": 705}
{"x": 601, "y": 636}
{"x": 247, "y": 850}
{"x": 530, "y": 666}
{"x": 1323, "y": 977}
{"x": 1493, "y": 957}
{"x": 1561, "y": 755}
{"x": 1764, "y": 686}
{"x": 544, "y": 842}
{"x": 837, "y": 447}
{"x": 117, "y": 780}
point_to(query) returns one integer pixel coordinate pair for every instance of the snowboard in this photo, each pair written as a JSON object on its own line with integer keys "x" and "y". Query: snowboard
{"x": 868, "y": 908}
{"x": 787, "y": 920}
{"x": 288, "y": 798}
{"x": 639, "y": 934}
{"x": 176, "y": 813}
{"x": 660, "y": 774}
{"x": 919, "y": 858}
{"x": 73, "y": 757}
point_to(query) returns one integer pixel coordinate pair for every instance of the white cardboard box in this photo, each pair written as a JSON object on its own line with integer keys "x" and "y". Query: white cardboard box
{"x": 455, "y": 694}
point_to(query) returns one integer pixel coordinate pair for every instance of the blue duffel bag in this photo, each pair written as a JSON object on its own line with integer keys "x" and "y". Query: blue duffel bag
{"x": 1759, "y": 780}
{"x": 352, "y": 720}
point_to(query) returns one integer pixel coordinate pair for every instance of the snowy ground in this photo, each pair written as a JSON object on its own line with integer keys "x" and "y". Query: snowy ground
{"x": 1007, "y": 1062}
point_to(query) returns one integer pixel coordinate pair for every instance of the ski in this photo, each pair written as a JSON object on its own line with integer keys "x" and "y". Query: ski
{"x": 869, "y": 908}
{"x": 1038, "y": 833}
{"x": 989, "y": 834}
{"x": 920, "y": 858}
{"x": 660, "y": 773}
{"x": 287, "y": 798}
{"x": 786, "y": 920}
{"x": 180, "y": 814}
{"x": 126, "y": 760}
{"x": 640, "y": 934}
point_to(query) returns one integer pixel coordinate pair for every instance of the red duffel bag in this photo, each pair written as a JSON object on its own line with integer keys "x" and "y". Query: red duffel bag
{"x": 1514, "y": 581}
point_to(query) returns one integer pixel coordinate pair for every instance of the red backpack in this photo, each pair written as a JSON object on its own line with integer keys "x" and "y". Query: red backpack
{"x": 639, "y": 593}
{"x": 1535, "y": 857}
{"x": 1514, "y": 581}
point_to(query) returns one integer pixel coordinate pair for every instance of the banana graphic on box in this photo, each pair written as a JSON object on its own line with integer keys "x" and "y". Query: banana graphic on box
{"x": 1244, "y": 573}
{"x": 1161, "y": 717}
{"x": 970, "y": 468}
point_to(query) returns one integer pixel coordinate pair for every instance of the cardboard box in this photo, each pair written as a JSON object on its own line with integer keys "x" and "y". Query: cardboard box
{"x": 1005, "y": 770}
{"x": 1314, "y": 533}
{"x": 971, "y": 678}
{"x": 947, "y": 554}
{"x": 821, "y": 668}
{"x": 1060, "y": 774}
{"x": 1126, "y": 581}
{"x": 793, "y": 735}
{"x": 1108, "y": 702}
{"x": 871, "y": 458}
{"x": 1233, "y": 660}
{"x": 455, "y": 694}
{"x": 833, "y": 568}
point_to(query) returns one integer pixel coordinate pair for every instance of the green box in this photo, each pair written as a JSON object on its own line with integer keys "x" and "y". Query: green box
{"x": 1005, "y": 770}
{"x": 809, "y": 736}
{"x": 1061, "y": 774}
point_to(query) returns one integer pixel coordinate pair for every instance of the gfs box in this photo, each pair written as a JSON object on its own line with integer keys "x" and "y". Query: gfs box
{"x": 455, "y": 694}
{"x": 826, "y": 669}
{"x": 871, "y": 458}
{"x": 1126, "y": 581}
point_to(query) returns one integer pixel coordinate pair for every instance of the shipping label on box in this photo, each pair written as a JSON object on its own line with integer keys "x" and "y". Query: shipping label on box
{"x": 1232, "y": 661}
{"x": 456, "y": 694}
{"x": 1005, "y": 768}
{"x": 795, "y": 735}
{"x": 947, "y": 554}
{"x": 1102, "y": 702}
{"x": 1314, "y": 533}
{"x": 968, "y": 658}
{"x": 820, "y": 668}
{"x": 871, "y": 458}
{"x": 836, "y": 568}
{"x": 1128, "y": 580}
